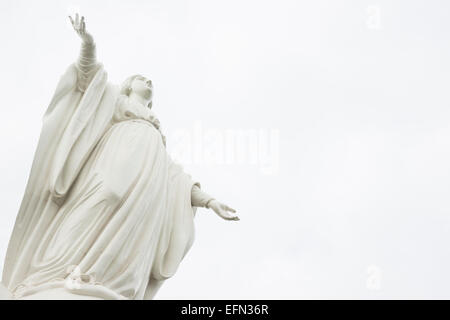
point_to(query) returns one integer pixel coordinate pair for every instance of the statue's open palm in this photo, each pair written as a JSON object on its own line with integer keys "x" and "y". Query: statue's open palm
{"x": 223, "y": 210}
{"x": 79, "y": 25}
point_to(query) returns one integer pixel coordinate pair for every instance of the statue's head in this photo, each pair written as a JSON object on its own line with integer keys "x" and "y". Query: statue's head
{"x": 140, "y": 86}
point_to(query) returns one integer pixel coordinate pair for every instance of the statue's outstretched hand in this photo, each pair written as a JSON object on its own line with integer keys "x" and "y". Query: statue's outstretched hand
{"x": 223, "y": 210}
{"x": 79, "y": 25}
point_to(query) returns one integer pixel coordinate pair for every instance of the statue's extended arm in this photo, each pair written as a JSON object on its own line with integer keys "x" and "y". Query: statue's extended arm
{"x": 204, "y": 200}
{"x": 87, "y": 62}
{"x": 200, "y": 198}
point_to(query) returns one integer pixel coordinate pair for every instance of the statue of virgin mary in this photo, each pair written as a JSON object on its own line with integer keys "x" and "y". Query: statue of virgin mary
{"x": 106, "y": 213}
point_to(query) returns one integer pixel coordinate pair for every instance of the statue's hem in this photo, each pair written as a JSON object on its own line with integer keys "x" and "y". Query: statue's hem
{"x": 82, "y": 289}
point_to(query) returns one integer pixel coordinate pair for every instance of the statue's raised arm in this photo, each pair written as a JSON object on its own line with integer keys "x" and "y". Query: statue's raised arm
{"x": 87, "y": 63}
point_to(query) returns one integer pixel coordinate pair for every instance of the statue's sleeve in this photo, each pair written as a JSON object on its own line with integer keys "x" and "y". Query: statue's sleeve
{"x": 199, "y": 198}
{"x": 71, "y": 126}
{"x": 91, "y": 112}
{"x": 87, "y": 65}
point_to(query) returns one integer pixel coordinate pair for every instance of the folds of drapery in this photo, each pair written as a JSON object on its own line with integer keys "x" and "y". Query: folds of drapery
{"x": 72, "y": 125}
{"x": 177, "y": 234}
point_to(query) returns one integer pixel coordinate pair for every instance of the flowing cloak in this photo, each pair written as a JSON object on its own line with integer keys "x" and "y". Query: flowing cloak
{"x": 106, "y": 212}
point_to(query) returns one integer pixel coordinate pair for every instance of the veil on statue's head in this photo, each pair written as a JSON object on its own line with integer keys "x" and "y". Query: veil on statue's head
{"x": 125, "y": 88}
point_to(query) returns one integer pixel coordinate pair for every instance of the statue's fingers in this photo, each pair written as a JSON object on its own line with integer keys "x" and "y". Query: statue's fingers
{"x": 234, "y": 217}
{"x": 71, "y": 21}
{"x": 224, "y": 215}
{"x": 83, "y": 27}
{"x": 77, "y": 18}
{"x": 228, "y": 216}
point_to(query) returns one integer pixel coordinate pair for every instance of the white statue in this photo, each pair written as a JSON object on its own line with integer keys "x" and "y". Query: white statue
{"x": 106, "y": 213}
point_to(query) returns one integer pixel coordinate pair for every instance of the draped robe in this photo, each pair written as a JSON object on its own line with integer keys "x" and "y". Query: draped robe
{"x": 106, "y": 212}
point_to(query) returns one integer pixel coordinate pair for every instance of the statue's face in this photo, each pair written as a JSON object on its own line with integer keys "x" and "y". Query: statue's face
{"x": 142, "y": 87}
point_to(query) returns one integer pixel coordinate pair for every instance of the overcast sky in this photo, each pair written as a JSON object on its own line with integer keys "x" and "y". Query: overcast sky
{"x": 326, "y": 124}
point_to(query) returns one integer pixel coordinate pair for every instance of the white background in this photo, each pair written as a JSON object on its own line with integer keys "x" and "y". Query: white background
{"x": 355, "y": 203}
